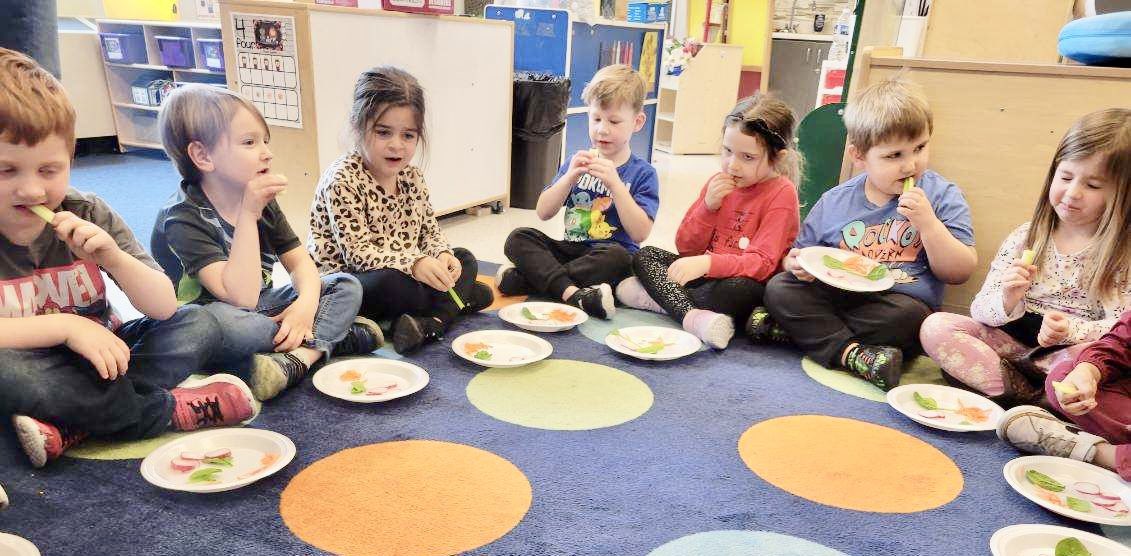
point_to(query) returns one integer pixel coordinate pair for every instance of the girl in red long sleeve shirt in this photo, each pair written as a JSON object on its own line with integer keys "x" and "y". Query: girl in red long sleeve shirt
{"x": 733, "y": 237}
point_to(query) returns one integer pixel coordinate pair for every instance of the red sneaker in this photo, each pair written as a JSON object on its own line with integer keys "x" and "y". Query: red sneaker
{"x": 43, "y": 442}
{"x": 217, "y": 401}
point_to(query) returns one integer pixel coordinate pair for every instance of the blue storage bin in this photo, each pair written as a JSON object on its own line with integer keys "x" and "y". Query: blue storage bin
{"x": 123, "y": 48}
{"x": 663, "y": 12}
{"x": 211, "y": 53}
{"x": 638, "y": 12}
{"x": 176, "y": 52}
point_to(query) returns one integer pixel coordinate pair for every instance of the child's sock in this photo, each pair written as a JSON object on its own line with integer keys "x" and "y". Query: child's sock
{"x": 631, "y": 292}
{"x": 716, "y": 329}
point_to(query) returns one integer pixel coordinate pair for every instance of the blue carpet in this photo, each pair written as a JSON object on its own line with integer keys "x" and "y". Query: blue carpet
{"x": 629, "y": 489}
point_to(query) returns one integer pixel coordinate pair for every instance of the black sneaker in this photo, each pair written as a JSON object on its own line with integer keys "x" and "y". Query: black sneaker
{"x": 271, "y": 373}
{"x": 480, "y": 298}
{"x": 511, "y": 282}
{"x": 597, "y": 300}
{"x": 880, "y": 365}
{"x": 762, "y": 329}
{"x": 409, "y": 333}
{"x": 363, "y": 337}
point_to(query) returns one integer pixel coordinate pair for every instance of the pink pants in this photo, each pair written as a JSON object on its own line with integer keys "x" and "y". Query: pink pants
{"x": 971, "y": 351}
{"x": 1109, "y": 420}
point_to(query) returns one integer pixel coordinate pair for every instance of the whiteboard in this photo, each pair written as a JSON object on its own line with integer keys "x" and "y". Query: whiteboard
{"x": 465, "y": 67}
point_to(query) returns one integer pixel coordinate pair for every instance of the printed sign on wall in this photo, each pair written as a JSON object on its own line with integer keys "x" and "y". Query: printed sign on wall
{"x": 267, "y": 66}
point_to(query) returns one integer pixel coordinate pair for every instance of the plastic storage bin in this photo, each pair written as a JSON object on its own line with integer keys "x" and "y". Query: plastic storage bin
{"x": 123, "y": 48}
{"x": 176, "y": 52}
{"x": 211, "y": 53}
{"x": 638, "y": 12}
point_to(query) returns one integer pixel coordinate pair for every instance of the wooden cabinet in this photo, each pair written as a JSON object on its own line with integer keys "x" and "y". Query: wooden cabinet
{"x": 693, "y": 104}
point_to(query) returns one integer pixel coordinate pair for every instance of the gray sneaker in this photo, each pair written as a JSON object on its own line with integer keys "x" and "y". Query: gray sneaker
{"x": 271, "y": 373}
{"x": 1034, "y": 430}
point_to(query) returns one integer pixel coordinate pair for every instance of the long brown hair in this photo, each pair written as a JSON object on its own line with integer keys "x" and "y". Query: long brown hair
{"x": 376, "y": 91}
{"x": 1106, "y": 133}
{"x": 770, "y": 121}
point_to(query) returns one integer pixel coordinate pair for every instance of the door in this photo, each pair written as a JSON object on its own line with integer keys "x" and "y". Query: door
{"x": 795, "y": 67}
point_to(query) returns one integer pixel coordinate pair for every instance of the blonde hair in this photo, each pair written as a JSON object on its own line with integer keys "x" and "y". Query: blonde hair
{"x": 33, "y": 104}
{"x": 199, "y": 113}
{"x": 770, "y": 121}
{"x": 892, "y": 109}
{"x": 1106, "y": 133}
{"x": 614, "y": 85}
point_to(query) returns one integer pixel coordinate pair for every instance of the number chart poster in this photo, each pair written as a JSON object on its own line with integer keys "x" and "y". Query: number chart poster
{"x": 267, "y": 60}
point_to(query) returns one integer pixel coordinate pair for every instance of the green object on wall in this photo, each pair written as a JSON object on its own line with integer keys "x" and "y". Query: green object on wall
{"x": 821, "y": 138}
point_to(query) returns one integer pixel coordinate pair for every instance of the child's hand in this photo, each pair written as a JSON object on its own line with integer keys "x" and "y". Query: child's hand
{"x": 109, "y": 355}
{"x": 1015, "y": 281}
{"x": 296, "y": 324}
{"x": 686, "y": 269}
{"x": 262, "y": 190}
{"x": 1085, "y": 378}
{"x": 790, "y": 264}
{"x": 1054, "y": 329}
{"x": 579, "y": 162}
{"x": 914, "y": 205}
{"x": 717, "y": 189}
{"x": 86, "y": 240}
{"x": 604, "y": 170}
{"x": 434, "y": 273}
{"x": 452, "y": 263}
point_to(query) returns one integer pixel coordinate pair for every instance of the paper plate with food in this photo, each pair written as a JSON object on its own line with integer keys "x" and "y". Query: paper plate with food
{"x": 370, "y": 379}
{"x": 1071, "y": 488}
{"x": 946, "y": 408}
{"x": 501, "y": 348}
{"x": 1052, "y": 540}
{"x": 217, "y": 460}
{"x": 845, "y": 270}
{"x": 655, "y": 343}
{"x": 543, "y": 316}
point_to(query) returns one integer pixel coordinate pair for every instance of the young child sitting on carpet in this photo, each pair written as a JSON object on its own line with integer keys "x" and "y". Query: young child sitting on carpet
{"x": 222, "y": 233}
{"x": 1074, "y": 288}
{"x": 734, "y": 235}
{"x": 923, "y": 235}
{"x": 610, "y": 196}
{"x": 71, "y": 367}
{"x": 371, "y": 217}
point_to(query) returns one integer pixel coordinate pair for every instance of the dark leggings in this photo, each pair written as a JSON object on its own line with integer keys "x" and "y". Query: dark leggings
{"x": 387, "y": 293}
{"x": 734, "y": 296}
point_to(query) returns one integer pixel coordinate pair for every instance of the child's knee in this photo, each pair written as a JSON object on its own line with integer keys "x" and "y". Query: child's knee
{"x": 517, "y": 239}
{"x": 198, "y": 324}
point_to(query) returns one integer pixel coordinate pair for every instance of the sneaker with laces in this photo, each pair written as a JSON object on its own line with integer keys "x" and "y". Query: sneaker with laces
{"x": 1034, "y": 430}
{"x": 409, "y": 333}
{"x": 43, "y": 442}
{"x": 511, "y": 282}
{"x": 220, "y": 400}
{"x": 271, "y": 373}
{"x": 631, "y": 293}
{"x": 715, "y": 329}
{"x": 880, "y": 365}
{"x": 363, "y": 337}
{"x": 762, "y": 329}
{"x": 480, "y": 298}
{"x": 595, "y": 300}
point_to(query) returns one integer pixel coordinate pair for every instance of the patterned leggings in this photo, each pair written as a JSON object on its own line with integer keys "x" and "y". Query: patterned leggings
{"x": 736, "y": 297}
{"x": 971, "y": 351}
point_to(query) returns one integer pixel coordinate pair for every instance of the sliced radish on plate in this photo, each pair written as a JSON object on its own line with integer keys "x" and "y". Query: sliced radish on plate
{"x": 218, "y": 453}
{"x": 184, "y": 465}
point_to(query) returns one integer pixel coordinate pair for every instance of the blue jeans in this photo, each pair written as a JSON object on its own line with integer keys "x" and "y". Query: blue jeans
{"x": 59, "y": 386}
{"x": 247, "y": 332}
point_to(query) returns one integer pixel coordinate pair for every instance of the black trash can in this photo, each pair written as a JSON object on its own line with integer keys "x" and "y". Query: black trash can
{"x": 538, "y": 126}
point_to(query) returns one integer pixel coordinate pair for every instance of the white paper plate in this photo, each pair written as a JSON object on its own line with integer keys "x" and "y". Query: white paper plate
{"x": 677, "y": 343}
{"x": 11, "y": 545}
{"x": 1040, "y": 540}
{"x": 902, "y": 398}
{"x": 382, "y": 379}
{"x": 1066, "y": 472}
{"x": 812, "y": 260}
{"x": 541, "y": 310}
{"x": 249, "y": 449}
{"x": 501, "y": 348}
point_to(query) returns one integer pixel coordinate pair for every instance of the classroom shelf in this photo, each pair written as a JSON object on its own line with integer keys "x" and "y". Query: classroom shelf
{"x": 692, "y": 106}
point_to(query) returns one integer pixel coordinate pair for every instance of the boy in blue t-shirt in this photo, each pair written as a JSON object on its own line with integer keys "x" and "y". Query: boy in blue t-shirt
{"x": 923, "y": 235}
{"x": 610, "y": 196}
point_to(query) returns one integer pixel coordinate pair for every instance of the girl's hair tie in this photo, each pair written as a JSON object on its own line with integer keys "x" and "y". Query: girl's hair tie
{"x": 758, "y": 125}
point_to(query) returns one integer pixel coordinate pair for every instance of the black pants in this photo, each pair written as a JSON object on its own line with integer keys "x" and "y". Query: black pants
{"x": 550, "y": 266}
{"x": 734, "y": 296}
{"x": 823, "y": 320}
{"x": 387, "y": 293}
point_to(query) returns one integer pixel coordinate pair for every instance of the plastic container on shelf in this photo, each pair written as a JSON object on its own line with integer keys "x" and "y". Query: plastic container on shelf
{"x": 842, "y": 36}
{"x": 123, "y": 48}
{"x": 211, "y": 53}
{"x": 176, "y": 52}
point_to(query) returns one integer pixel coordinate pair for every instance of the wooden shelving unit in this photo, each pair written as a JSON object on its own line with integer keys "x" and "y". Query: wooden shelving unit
{"x": 692, "y": 105}
{"x": 136, "y": 123}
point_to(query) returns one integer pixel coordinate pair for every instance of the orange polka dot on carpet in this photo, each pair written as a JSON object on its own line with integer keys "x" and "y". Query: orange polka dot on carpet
{"x": 500, "y": 299}
{"x": 850, "y": 464}
{"x": 413, "y": 497}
